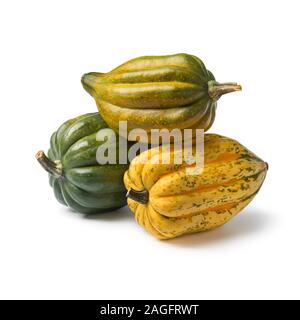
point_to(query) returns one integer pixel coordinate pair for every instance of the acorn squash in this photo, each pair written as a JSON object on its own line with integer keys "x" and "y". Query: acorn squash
{"x": 77, "y": 179}
{"x": 155, "y": 92}
{"x": 168, "y": 202}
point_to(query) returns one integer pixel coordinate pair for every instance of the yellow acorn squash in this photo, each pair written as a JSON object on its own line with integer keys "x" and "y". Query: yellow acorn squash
{"x": 168, "y": 202}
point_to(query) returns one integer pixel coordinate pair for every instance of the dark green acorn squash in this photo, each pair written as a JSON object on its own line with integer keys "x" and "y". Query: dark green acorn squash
{"x": 76, "y": 177}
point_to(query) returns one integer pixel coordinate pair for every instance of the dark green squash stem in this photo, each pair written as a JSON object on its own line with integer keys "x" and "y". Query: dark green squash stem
{"x": 49, "y": 165}
{"x": 141, "y": 197}
{"x": 216, "y": 89}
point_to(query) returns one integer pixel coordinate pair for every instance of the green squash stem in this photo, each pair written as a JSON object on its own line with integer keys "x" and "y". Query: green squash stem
{"x": 141, "y": 197}
{"x": 216, "y": 89}
{"x": 50, "y": 166}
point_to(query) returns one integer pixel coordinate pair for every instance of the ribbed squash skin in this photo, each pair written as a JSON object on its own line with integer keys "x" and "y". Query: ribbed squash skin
{"x": 179, "y": 203}
{"x": 155, "y": 92}
{"x": 85, "y": 185}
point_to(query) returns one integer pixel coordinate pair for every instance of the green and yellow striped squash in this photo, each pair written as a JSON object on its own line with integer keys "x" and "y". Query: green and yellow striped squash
{"x": 155, "y": 92}
{"x": 169, "y": 203}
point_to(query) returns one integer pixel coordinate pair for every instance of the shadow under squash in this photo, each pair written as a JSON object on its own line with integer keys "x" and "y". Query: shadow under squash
{"x": 114, "y": 215}
{"x": 249, "y": 222}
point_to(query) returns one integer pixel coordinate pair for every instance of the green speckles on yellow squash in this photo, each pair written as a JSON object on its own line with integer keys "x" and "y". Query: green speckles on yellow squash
{"x": 168, "y": 202}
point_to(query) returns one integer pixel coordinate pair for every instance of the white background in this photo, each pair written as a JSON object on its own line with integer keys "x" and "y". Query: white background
{"x": 47, "y": 251}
